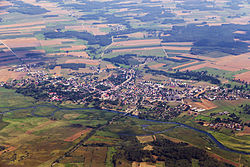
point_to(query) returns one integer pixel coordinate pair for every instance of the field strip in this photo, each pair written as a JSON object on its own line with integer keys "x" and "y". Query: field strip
{"x": 176, "y": 48}
{"x": 39, "y": 127}
{"x": 23, "y": 28}
{"x": 138, "y": 42}
{"x": 243, "y": 76}
{"x": 183, "y": 65}
{"x": 22, "y": 24}
{"x": 136, "y": 49}
{"x": 77, "y": 135}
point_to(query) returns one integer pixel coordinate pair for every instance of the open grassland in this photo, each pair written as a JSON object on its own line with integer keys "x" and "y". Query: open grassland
{"x": 140, "y": 52}
{"x": 233, "y": 142}
{"x": 138, "y": 42}
{"x": 224, "y": 73}
{"x": 57, "y": 133}
{"x": 11, "y": 99}
{"x": 24, "y": 131}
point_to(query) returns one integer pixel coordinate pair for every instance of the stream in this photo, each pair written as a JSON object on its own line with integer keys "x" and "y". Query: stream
{"x": 219, "y": 144}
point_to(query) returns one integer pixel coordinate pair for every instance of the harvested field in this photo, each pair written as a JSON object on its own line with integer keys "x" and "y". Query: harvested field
{"x": 5, "y": 75}
{"x": 228, "y": 63}
{"x": 39, "y": 127}
{"x": 180, "y": 13}
{"x": 183, "y": 65}
{"x": 57, "y": 70}
{"x": 208, "y": 104}
{"x": 176, "y": 48}
{"x": 2, "y": 46}
{"x": 5, "y": 3}
{"x": 110, "y": 66}
{"x": 22, "y": 24}
{"x": 145, "y": 139}
{"x": 214, "y": 24}
{"x": 148, "y": 147}
{"x": 84, "y": 61}
{"x": 243, "y": 76}
{"x": 165, "y": 35}
{"x": 246, "y": 131}
{"x": 137, "y": 49}
{"x": 2, "y": 13}
{"x": 177, "y": 58}
{"x": 179, "y": 43}
{"x": 223, "y": 159}
{"x": 138, "y": 42}
{"x": 205, "y": 104}
{"x": 136, "y": 35}
{"x": 240, "y": 32}
{"x": 74, "y": 47}
{"x": 33, "y": 28}
{"x": 21, "y": 42}
{"x": 94, "y": 29}
{"x": 156, "y": 66}
{"x": 86, "y": 70}
{"x": 77, "y": 135}
{"x": 242, "y": 20}
{"x": 142, "y": 164}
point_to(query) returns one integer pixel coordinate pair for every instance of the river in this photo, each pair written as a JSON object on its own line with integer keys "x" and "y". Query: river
{"x": 219, "y": 144}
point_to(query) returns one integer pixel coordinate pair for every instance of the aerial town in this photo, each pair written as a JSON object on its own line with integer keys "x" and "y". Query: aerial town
{"x": 125, "y": 90}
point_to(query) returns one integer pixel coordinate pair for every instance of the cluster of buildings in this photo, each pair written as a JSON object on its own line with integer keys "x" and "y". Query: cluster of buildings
{"x": 125, "y": 90}
{"x": 218, "y": 126}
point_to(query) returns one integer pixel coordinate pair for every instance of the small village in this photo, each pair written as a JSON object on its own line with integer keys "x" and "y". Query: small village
{"x": 125, "y": 90}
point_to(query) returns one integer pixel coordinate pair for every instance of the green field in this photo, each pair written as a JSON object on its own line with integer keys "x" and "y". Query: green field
{"x": 23, "y": 131}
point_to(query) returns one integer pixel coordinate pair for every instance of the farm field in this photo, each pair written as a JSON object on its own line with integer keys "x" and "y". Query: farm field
{"x": 31, "y": 129}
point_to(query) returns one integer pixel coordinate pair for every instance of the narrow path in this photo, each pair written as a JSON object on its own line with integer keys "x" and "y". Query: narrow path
{"x": 79, "y": 144}
{"x": 107, "y": 47}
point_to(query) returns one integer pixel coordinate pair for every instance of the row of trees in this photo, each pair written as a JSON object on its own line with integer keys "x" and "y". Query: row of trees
{"x": 188, "y": 75}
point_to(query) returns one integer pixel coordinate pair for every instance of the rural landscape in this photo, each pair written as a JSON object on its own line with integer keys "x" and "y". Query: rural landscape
{"x": 120, "y": 83}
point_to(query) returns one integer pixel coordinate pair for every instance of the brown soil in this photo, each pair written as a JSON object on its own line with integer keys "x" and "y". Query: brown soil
{"x": 183, "y": 65}
{"x": 21, "y": 42}
{"x": 77, "y": 135}
{"x": 145, "y": 139}
{"x": 5, "y": 75}
{"x": 223, "y": 159}
{"x": 228, "y": 63}
{"x": 136, "y": 49}
{"x": 157, "y": 65}
{"x": 246, "y": 131}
